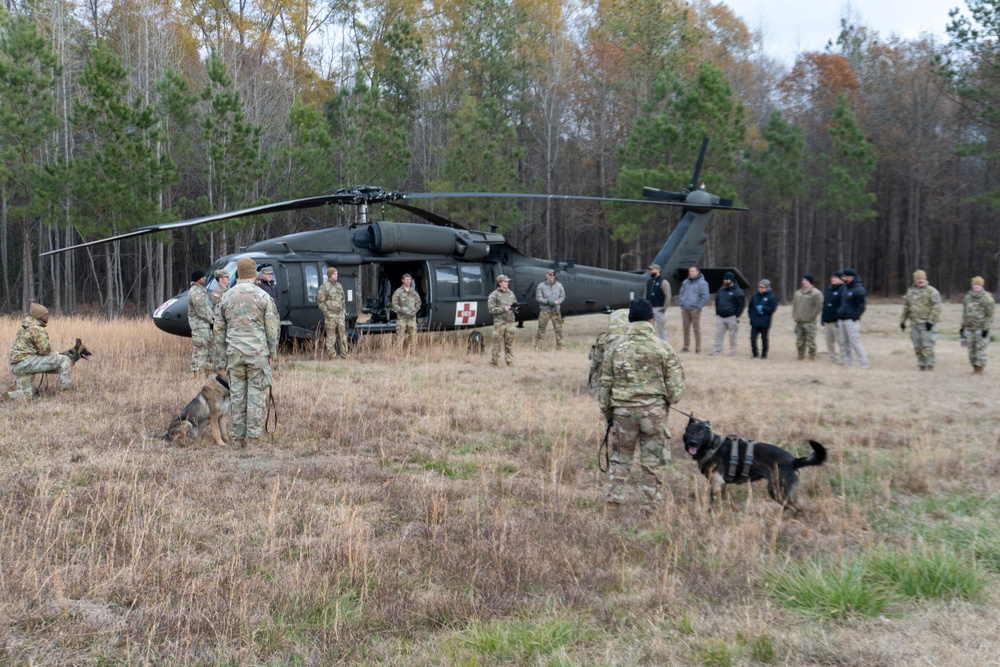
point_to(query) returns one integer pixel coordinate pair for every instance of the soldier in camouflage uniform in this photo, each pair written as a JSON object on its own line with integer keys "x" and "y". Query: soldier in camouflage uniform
{"x": 617, "y": 325}
{"x": 200, "y": 318}
{"x": 501, "y": 306}
{"x": 247, "y": 337}
{"x": 222, "y": 284}
{"x": 922, "y": 307}
{"x": 807, "y": 305}
{"x": 550, "y": 296}
{"x": 977, "y": 320}
{"x": 406, "y": 302}
{"x": 32, "y": 354}
{"x": 333, "y": 304}
{"x": 640, "y": 378}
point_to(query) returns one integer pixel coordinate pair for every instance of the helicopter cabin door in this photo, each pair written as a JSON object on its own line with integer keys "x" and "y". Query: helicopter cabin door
{"x": 458, "y": 294}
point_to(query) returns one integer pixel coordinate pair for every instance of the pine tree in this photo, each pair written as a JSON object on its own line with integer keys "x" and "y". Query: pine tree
{"x": 850, "y": 165}
{"x": 28, "y": 69}
{"x": 116, "y": 177}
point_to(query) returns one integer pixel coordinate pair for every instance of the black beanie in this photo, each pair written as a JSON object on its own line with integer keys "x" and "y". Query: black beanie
{"x": 850, "y": 272}
{"x": 640, "y": 310}
{"x": 729, "y": 276}
{"x": 197, "y": 275}
{"x": 808, "y": 276}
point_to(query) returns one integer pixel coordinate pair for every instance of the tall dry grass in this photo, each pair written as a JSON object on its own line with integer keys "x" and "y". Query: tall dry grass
{"x": 428, "y": 509}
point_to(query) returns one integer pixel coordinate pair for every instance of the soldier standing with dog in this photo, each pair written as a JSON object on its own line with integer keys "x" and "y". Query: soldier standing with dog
{"x": 333, "y": 305}
{"x": 200, "y": 318}
{"x": 550, "y": 296}
{"x": 977, "y": 318}
{"x": 32, "y": 354}
{"x": 922, "y": 308}
{"x": 221, "y": 287}
{"x": 246, "y": 335}
{"x": 641, "y": 377}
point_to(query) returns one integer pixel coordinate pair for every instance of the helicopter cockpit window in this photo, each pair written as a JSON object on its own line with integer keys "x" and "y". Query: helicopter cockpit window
{"x": 311, "y": 275}
{"x": 447, "y": 281}
{"x": 229, "y": 267}
{"x": 472, "y": 280}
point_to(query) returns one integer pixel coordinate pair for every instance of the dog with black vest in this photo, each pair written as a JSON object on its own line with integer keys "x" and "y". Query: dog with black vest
{"x": 733, "y": 460}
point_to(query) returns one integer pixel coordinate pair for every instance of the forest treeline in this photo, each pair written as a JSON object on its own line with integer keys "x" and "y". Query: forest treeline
{"x": 877, "y": 152}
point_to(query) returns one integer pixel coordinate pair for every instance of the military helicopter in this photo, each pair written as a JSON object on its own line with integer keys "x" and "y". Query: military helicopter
{"x": 454, "y": 269}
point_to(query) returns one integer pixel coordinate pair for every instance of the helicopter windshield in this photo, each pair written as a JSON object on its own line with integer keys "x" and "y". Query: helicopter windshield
{"x": 229, "y": 267}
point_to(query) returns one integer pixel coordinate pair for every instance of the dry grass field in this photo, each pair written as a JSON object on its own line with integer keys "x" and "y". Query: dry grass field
{"x": 431, "y": 510}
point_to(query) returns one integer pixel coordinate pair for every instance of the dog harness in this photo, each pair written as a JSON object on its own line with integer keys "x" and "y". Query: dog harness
{"x": 734, "y": 471}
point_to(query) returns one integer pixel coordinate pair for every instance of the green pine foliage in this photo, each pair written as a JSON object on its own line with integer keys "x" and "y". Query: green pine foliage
{"x": 850, "y": 166}
{"x": 234, "y": 162}
{"x": 663, "y": 146}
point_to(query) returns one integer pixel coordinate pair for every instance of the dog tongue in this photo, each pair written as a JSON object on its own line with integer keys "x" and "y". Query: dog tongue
{"x": 692, "y": 450}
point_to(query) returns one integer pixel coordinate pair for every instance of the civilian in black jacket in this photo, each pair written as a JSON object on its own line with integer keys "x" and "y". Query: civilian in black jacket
{"x": 831, "y": 304}
{"x": 852, "y": 307}
{"x": 729, "y": 304}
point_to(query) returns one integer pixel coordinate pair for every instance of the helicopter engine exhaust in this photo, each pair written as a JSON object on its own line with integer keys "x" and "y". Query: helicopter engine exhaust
{"x": 388, "y": 237}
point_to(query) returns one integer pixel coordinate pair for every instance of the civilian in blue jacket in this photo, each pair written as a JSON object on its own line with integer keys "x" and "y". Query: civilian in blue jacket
{"x": 762, "y": 305}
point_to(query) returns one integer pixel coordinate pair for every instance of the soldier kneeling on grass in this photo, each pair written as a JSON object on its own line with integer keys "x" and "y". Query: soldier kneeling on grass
{"x": 32, "y": 354}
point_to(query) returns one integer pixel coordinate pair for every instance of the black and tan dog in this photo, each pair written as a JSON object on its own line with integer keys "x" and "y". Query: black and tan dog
{"x": 210, "y": 407}
{"x": 477, "y": 344}
{"x": 76, "y": 353}
{"x": 732, "y": 460}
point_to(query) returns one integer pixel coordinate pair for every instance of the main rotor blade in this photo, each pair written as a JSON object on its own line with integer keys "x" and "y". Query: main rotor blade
{"x": 524, "y": 195}
{"x": 340, "y": 197}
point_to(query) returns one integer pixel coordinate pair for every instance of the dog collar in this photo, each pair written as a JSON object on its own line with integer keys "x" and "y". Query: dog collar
{"x": 221, "y": 380}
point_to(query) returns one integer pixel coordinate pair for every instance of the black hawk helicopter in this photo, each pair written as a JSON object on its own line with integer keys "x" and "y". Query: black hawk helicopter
{"x": 454, "y": 269}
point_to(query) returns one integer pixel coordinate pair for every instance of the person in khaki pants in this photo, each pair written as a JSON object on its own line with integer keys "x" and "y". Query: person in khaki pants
{"x": 807, "y": 305}
{"x": 693, "y": 296}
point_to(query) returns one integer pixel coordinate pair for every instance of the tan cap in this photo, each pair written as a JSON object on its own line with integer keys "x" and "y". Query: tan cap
{"x": 330, "y": 270}
{"x": 219, "y": 273}
{"x": 655, "y": 266}
{"x": 978, "y": 280}
{"x": 267, "y": 271}
{"x": 246, "y": 268}
{"x": 38, "y": 311}
{"x": 919, "y": 275}
{"x": 502, "y": 278}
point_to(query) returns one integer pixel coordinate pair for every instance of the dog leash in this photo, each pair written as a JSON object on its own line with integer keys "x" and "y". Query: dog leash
{"x": 272, "y": 409}
{"x": 604, "y": 448}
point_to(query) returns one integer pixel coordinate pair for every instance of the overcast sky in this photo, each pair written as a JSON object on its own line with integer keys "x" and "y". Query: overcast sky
{"x": 793, "y": 26}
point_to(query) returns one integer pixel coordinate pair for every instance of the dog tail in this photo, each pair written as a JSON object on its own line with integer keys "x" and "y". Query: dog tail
{"x": 817, "y": 458}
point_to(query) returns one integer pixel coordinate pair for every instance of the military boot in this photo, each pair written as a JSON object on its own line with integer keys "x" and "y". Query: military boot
{"x": 812, "y": 356}
{"x": 802, "y": 355}
{"x": 977, "y": 370}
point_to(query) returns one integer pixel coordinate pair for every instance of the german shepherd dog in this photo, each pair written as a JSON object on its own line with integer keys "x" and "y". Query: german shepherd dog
{"x": 732, "y": 460}
{"x": 210, "y": 407}
{"x": 76, "y": 353}
{"x": 476, "y": 343}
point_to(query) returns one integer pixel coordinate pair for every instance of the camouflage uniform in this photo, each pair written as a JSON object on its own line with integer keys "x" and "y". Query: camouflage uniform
{"x": 640, "y": 378}
{"x": 333, "y": 304}
{"x": 217, "y": 361}
{"x": 977, "y": 319}
{"x": 503, "y": 323}
{"x": 406, "y": 302}
{"x": 806, "y": 308}
{"x": 200, "y": 319}
{"x": 32, "y": 354}
{"x": 247, "y": 337}
{"x": 617, "y": 325}
{"x": 922, "y": 307}
{"x": 550, "y": 298}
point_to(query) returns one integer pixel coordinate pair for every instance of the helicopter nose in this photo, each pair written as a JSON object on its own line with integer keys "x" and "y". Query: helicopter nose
{"x": 171, "y": 316}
